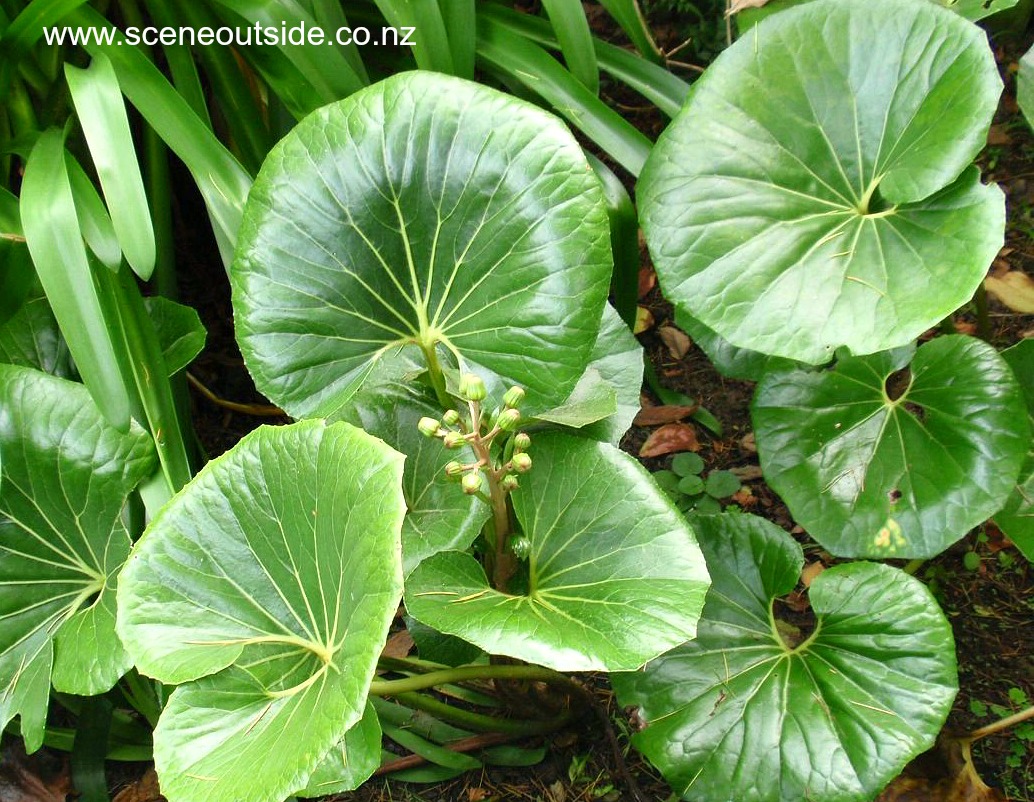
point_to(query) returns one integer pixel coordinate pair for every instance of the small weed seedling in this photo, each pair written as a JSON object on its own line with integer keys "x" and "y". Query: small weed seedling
{"x": 688, "y": 488}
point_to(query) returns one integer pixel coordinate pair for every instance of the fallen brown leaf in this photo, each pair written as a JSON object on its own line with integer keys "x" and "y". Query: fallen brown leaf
{"x": 678, "y": 342}
{"x": 748, "y": 443}
{"x": 944, "y": 774}
{"x": 747, "y": 473}
{"x": 1014, "y": 289}
{"x": 655, "y": 416}
{"x": 670, "y": 439}
{"x": 643, "y": 320}
{"x": 399, "y": 645}
{"x": 143, "y": 790}
{"x": 811, "y": 570}
{"x": 647, "y": 281}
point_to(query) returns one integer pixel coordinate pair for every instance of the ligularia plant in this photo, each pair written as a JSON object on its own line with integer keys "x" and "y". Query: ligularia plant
{"x": 420, "y": 280}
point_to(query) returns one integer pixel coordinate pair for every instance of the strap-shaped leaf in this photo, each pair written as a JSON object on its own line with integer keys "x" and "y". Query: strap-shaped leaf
{"x": 809, "y": 197}
{"x": 64, "y": 480}
{"x": 756, "y": 711}
{"x": 265, "y": 589}
{"x": 1016, "y": 518}
{"x": 876, "y": 460}
{"x": 615, "y": 575}
{"x": 425, "y": 210}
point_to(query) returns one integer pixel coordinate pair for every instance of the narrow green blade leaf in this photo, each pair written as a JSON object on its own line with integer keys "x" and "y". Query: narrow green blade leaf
{"x": 413, "y": 222}
{"x": 629, "y": 16}
{"x": 56, "y": 244}
{"x": 749, "y": 713}
{"x": 432, "y": 49}
{"x": 614, "y": 574}
{"x": 460, "y": 18}
{"x": 572, "y": 32}
{"x": 102, "y": 115}
{"x": 64, "y": 480}
{"x": 876, "y": 461}
{"x": 838, "y": 198}
{"x": 223, "y": 183}
{"x": 265, "y": 590}
{"x": 530, "y": 65}
{"x": 94, "y": 220}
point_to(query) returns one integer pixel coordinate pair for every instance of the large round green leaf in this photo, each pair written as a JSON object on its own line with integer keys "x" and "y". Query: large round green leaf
{"x": 755, "y": 710}
{"x": 429, "y": 210}
{"x": 265, "y": 589}
{"x": 64, "y": 480}
{"x": 813, "y": 192}
{"x": 879, "y": 458}
{"x": 615, "y": 575}
{"x": 1016, "y": 518}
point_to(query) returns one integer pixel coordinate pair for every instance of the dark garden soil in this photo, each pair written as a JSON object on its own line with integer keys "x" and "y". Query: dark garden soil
{"x": 984, "y": 585}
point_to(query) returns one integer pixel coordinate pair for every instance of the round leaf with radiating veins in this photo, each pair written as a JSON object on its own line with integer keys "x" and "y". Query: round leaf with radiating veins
{"x": 606, "y": 398}
{"x": 814, "y": 191}
{"x": 879, "y": 458}
{"x": 64, "y": 480}
{"x": 615, "y": 577}
{"x": 424, "y": 209}
{"x": 265, "y": 589}
{"x": 32, "y": 339}
{"x": 352, "y": 760}
{"x": 1016, "y": 518}
{"x": 439, "y": 515}
{"x": 758, "y": 710}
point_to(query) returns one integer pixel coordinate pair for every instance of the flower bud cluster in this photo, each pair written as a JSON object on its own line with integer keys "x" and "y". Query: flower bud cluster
{"x": 478, "y": 431}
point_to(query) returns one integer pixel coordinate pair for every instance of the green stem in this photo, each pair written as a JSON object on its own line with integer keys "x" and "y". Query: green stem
{"x": 912, "y": 566}
{"x": 139, "y": 692}
{"x": 478, "y": 722}
{"x": 466, "y": 673}
{"x": 434, "y": 370}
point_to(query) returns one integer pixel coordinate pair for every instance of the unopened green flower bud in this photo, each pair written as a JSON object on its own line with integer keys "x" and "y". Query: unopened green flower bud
{"x": 509, "y": 483}
{"x": 451, "y": 418}
{"x": 521, "y": 547}
{"x": 453, "y": 439}
{"x": 508, "y": 420}
{"x": 521, "y": 442}
{"x": 472, "y": 388}
{"x": 429, "y": 427}
{"x": 521, "y": 463}
{"x": 513, "y": 398}
{"x": 471, "y": 482}
{"x": 454, "y": 470}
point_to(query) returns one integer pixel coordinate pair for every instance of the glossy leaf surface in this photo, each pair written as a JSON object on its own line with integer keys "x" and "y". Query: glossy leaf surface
{"x": 615, "y": 575}
{"x": 181, "y": 335}
{"x": 970, "y": 9}
{"x": 265, "y": 590}
{"x": 808, "y": 198}
{"x": 352, "y": 760}
{"x": 64, "y": 479}
{"x": 749, "y": 713}
{"x": 1016, "y": 518}
{"x": 32, "y": 339}
{"x": 424, "y": 210}
{"x": 877, "y": 461}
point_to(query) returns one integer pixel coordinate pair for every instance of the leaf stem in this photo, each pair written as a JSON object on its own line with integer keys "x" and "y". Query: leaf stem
{"x": 467, "y": 673}
{"x": 479, "y": 722}
{"x": 434, "y": 370}
{"x": 1001, "y": 724}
